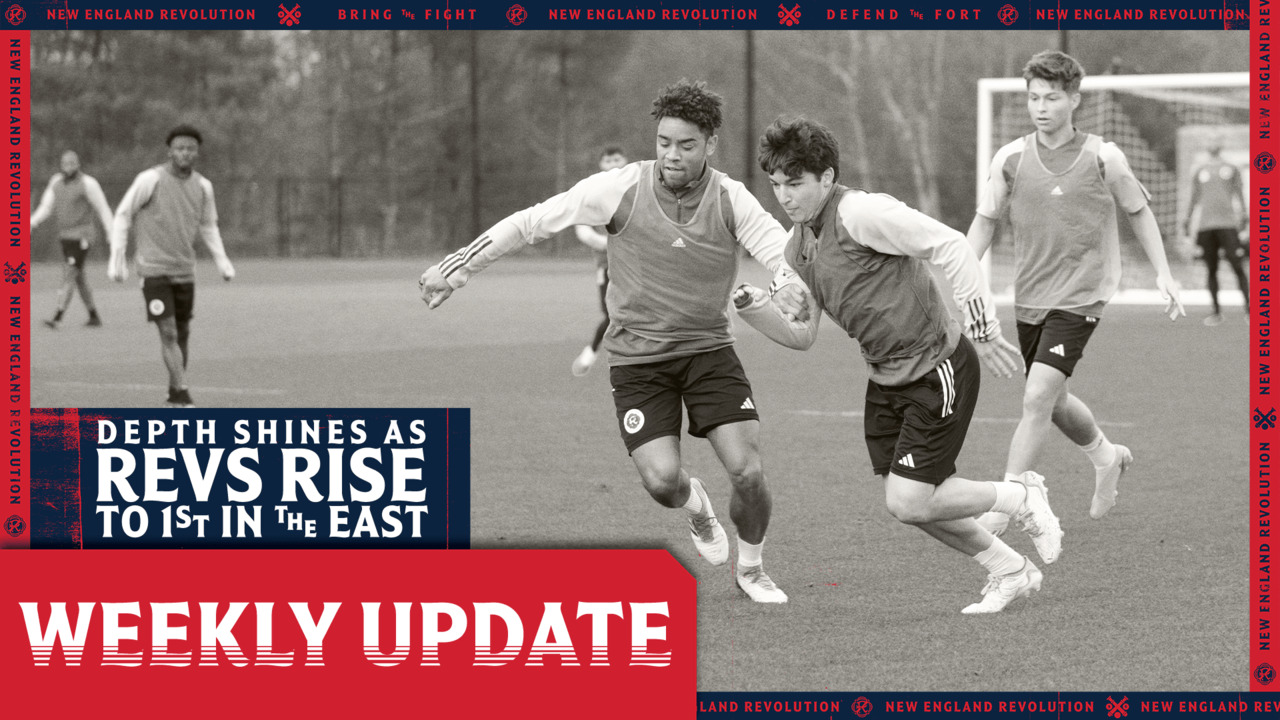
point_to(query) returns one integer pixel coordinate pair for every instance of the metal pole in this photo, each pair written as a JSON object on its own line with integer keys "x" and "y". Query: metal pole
{"x": 475, "y": 136}
{"x": 748, "y": 144}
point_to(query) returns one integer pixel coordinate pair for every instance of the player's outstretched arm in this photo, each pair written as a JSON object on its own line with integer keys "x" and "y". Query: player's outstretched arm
{"x": 981, "y": 232}
{"x": 1148, "y": 233}
{"x": 763, "y": 313}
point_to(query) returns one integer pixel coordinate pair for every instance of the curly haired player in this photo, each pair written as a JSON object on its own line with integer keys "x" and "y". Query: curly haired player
{"x": 674, "y": 226}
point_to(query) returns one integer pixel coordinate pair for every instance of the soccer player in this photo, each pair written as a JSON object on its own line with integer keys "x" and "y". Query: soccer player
{"x": 863, "y": 260}
{"x": 75, "y": 201}
{"x": 675, "y": 225}
{"x": 1061, "y": 188}
{"x": 597, "y": 238}
{"x": 1216, "y": 189}
{"x": 168, "y": 207}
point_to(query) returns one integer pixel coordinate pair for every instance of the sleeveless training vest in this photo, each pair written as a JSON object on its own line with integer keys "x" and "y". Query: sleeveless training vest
{"x": 72, "y": 212}
{"x": 890, "y": 304}
{"x": 1066, "y": 241}
{"x": 669, "y": 282}
{"x": 167, "y": 226}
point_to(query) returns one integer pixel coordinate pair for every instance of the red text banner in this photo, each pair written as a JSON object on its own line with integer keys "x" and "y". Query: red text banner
{"x": 212, "y": 633}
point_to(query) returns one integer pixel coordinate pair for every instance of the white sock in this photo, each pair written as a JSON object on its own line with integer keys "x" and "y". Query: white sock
{"x": 693, "y": 505}
{"x": 1101, "y": 452}
{"x": 748, "y": 554}
{"x": 1000, "y": 559}
{"x": 1009, "y": 497}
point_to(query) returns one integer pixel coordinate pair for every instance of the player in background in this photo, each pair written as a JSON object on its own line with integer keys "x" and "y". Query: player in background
{"x": 675, "y": 225}
{"x": 863, "y": 260}
{"x": 1066, "y": 243}
{"x": 597, "y": 238}
{"x": 75, "y": 201}
{"x": 1217, "y": 190}
{"x": 169, "y": 207}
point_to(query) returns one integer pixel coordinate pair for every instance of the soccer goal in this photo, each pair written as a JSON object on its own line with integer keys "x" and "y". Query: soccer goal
{"x": 1163, "y": 123}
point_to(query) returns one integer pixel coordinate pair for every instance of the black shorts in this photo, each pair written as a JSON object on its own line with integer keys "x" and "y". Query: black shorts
{"x": 1058, "y": 341}
{"x": 166, "y": 298}
{"x": 712, "y": 386}
{"x": 74, "y": 253}
{"x": 1220, "y": 240}
{"x": 916, "y": 430}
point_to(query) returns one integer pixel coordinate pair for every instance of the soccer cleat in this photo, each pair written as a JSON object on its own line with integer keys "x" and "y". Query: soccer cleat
{"x": 94, "y": 321}
{"x": 1213, "y": 320}
{"x": 1104, "y": 493}
{"x": 708, "y": 535}
{"x": 180, "y": 398}
{"x": 994, "y": 522}
{"x": 51, "y": 324}
{"x": 1037, "y": 520}
{"x": 757, "y": 585}
{"x": 582, "y": 364}
{"x": 1002, "y": 590}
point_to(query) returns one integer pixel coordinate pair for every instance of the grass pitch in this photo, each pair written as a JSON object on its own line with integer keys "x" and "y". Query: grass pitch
{"x": 1152, "y": 597}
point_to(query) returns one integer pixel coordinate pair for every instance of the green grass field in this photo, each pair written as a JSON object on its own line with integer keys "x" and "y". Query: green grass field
{"x": 1152, "y": 597}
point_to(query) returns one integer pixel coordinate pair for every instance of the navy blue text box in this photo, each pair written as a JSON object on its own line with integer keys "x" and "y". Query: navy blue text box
{"x": 264, "y": 478}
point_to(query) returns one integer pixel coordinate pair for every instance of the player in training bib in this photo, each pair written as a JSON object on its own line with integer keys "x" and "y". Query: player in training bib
{"x": 675, "y": 226}
{"x": 597, "y": 238}
{"x": 863, "y": 260}
{"x": 1060, "y": 188}
{"x": 1218, "y": 192}
{"x": 169, "y": 207}
{"x": 75, "y": 201}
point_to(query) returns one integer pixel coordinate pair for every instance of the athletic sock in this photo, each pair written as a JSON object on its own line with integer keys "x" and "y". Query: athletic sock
{"x": 1101, "y": 452}
{"x": 1000, "y": 559}
{"x": 1009, "y": 497}
{"x": 748, "y": 554}
{"x": 693, "y": 505}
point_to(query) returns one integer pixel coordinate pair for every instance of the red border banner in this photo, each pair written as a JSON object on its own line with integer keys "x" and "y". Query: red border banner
{"x": 1263, "y": 656}
{"x": 16, "y": 515}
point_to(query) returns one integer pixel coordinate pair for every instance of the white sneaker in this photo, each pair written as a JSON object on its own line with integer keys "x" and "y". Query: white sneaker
{"x": 1104, "y": 493}
{"x": 582, "y": 364}
{"x": 708, "y": 535}
{"x": 994, "y": 522}
{"x": 1000, "y": 591}
{"x": 757, "y": 585}
{"x": 1036, "y": 519}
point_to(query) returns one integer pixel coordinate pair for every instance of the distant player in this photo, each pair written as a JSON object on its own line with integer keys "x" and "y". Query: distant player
{"x": 675, "y": 226}
{"x": 80, "y": 212}
{"x": 1217, "y": 190}
{"x": 864, "y": 261}
{"x": 597, "y": 238}
{"x": 169, "y": 207}
{"x": 1066, "y": 244}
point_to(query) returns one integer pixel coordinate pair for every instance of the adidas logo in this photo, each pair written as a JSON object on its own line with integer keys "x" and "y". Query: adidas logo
{"x": 1056, "y": 190}
{"x": 748, "y": 405}
{"x": 678, "y": 243}
{"x": 1058, "y": 350}
{"x": 1090, "y": 319}
{"x": 907, "y": 461}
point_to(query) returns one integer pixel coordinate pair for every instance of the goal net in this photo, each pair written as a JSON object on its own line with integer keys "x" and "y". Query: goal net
{"x": 1163, "y": 123}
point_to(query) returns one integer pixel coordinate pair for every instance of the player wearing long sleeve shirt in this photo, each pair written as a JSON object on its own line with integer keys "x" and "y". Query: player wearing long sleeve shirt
{"x": 1061, "y": 190}
{"x": 675, "y": 226}
{"x": 863, "y": 261}
{"x": 168, "y": 207}
{"x": 75, "y": 201}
